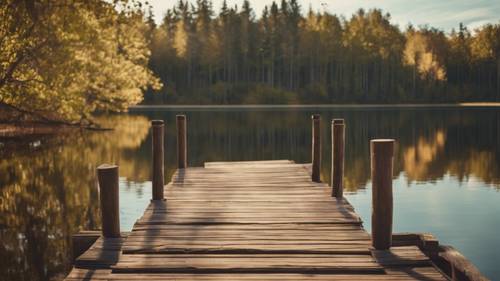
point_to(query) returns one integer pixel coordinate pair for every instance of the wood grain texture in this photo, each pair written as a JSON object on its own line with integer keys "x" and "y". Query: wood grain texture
{"x": 102, "y": 254}
{"x": 181, "y": 141}
{"x": 158, "y": 128}
{"x": 107, "y": 176}
{"x": 382, "y": 158}
{"x": 316, "y": 148}
{"x": 420, "y": 273}
{"x": 461, "y": 267}
{"x": 337, "y": 167}
{"x": 249, "y": 221}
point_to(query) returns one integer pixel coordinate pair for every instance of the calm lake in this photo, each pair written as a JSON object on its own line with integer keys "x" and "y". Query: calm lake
{"x": 447, "y": 173}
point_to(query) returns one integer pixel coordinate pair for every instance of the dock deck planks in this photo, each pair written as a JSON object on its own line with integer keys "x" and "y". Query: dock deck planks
{"x": 256, "y": 220}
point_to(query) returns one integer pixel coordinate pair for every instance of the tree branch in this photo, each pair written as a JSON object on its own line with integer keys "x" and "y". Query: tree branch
{"x": 37, "y": 115}
{"x": 91, "y": 124}
{"x": 10, "y": 70}
{"x": 12, "y": 67}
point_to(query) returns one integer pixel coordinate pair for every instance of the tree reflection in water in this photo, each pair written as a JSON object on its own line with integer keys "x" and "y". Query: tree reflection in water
{"x": 48, "y": 190}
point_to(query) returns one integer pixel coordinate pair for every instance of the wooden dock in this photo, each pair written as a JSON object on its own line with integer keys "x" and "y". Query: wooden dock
{"x": 261, "y": 220}
{"x": 256, "y": 220}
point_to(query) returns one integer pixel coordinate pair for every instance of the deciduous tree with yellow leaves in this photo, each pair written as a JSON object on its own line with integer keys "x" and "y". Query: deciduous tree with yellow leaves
{"x": 63, "y": 60}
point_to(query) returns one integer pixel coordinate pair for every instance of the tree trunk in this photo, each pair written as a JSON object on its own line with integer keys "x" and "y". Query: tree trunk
{"x": 498, "y": 78}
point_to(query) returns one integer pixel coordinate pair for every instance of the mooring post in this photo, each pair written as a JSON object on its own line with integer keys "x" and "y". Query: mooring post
{"x": 337, "y": 176}
{"x": 316, "y": 148}
{"x": 107, "y": 176}
{"x": 382, "y": 158}
{"x": 158, "y": 169}
{"x": 181, "y": 141}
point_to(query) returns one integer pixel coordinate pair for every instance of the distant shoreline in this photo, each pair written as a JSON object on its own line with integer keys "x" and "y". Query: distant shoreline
{"x": 284, "y": 106}
{"x": 12, "y": 130}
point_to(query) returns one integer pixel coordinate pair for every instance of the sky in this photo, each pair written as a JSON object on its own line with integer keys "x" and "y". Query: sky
{"x": 442, "y": 14}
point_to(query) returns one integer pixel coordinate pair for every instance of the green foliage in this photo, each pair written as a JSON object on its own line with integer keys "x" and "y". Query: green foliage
{"x": 64, "y": 60}
{"x": 320, "y": 56}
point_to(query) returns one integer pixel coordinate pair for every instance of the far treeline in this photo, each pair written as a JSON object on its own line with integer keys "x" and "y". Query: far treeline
{"x": 61, "y": 61}
{"x": 286, "y": 56}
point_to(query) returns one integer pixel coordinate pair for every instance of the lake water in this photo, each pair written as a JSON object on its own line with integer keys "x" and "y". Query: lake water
{"x": 447, "y": 174}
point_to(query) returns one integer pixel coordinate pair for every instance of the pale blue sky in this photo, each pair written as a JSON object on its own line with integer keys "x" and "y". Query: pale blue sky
{"x": 443, "y": 14}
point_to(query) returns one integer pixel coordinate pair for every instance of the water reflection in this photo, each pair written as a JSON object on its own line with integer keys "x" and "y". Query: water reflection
{"x": 47, "y": 183}
{"x": 417, "y": 159}
{"x": 431, "y": 143}
{"x": 48, "y": 192}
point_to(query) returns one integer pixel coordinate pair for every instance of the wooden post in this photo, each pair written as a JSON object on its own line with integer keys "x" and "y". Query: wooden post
{"x": 181, "y": 142}
{"x": 382, "y": 158}
{"x": 337, "y": 176}
{"x": 158, "y": 169}
{"x": 316, "y": 148}
{"x": 107, "y": 176}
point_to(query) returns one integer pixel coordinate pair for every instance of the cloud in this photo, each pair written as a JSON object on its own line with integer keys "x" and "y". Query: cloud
{"x": 440, "y": 14}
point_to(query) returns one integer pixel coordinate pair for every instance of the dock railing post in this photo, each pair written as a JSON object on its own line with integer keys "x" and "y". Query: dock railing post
{"x": 107, "y": 176}
{"x": 158, "y": 157}
{"x": 337, "y": 176}
{"x": 382, "y": 161}
{"x": 181, "y": 141}
{"x": 316, "y": 148}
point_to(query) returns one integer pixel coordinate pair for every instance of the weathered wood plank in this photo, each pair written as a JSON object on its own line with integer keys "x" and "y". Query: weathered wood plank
{"x": 269, "y": 263}
{"x": 235, "y": 235}
{"x": 460, "y": 266}
{"x": 401, "y": 256}
{"x": 313, "y": 216}
{"x": 83, "y": 240}
{"x": 80, "y": 274}
{"x": 235, "y": 163}
{"x": 421, "y": 273}
{"x": 254, "y": 220}
{"x": 245, "y": 228}
{"x": 102, "y": 254}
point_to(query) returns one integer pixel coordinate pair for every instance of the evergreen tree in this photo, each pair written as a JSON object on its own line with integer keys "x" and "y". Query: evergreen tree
{"x": 235, "y": 57}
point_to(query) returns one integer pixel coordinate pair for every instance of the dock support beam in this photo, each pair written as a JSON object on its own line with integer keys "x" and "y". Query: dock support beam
{"x": 338, "y": 140}
{"x": 181, "y": 141}
{"x": 382, "y": 161}
{"x": 316, "y": 148}
{"x": 107, "y": 176}
{"x": 158, "y": 158}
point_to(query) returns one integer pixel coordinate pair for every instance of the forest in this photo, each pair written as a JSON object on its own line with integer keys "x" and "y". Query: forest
{"x": 62, "y": 61}
{"x": 285, "y": 54}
